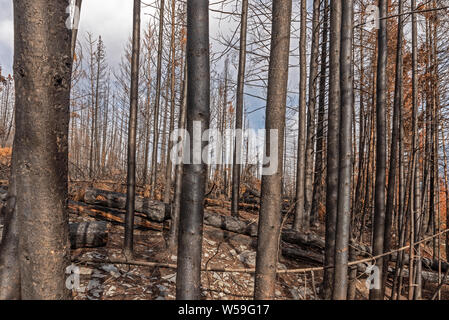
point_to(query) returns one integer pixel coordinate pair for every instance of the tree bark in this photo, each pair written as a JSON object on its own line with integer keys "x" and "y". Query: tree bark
{"x": 300, "y": 222}
{"x": 381, "y": 148}
{"x": 345, "y": 155}
{"x": 311, "y": 125}
{"x": 176, "y": 206}
{"x": 9, "y": 254}
{"x": 42, "y": 68}
{"x": 391, "y": 191}
{"x": 157, "y": 101}
{"x": 188, "y": 278}
{"x": 132, "y": 133}
{"x": 236, "y": 168}
{"x": 168, "y": 172}
{"x": 332, "y": 145}
{"x": 319, "y": 154}
{"x": 270, "y": 210}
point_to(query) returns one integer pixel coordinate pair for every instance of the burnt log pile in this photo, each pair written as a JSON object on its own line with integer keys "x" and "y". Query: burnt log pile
{"x": 153, "y": 215}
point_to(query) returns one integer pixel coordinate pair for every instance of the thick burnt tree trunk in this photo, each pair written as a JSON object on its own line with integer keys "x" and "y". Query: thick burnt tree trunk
{"x": 270, "y": 209}
{"x": 42, "y": 68}
{"x": 188, "y": 279}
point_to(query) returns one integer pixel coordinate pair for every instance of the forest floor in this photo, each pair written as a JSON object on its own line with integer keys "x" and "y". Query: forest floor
{"x": 118, "y": 282}
{"x": 112, "y": 282}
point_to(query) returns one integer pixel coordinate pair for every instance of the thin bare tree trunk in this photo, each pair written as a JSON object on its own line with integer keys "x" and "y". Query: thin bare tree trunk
{"x": 168, "y": 173}
{"x": 394, "y": 146}
{"x": 415, "y": 199}
{"x": 332, "y": 146}
{"x": 157, "y": 102}
{"x": 345, "y": 155}
{"x": 319, "y": 154}
{"x": 176, "y": 206}
{"x": 9, "y": 254}
{"x": 239, "y": 113}
{"x": 381, "y": 149}
{"x": 311, "y": 125}
{"x": 300, "y": 223}
{"x": 132, "y": 128}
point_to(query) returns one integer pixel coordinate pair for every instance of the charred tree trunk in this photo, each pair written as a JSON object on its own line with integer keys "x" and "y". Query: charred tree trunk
{"x": 9, "y": 254}
{"x": 188, "y": 278}
{"x": 332, "y": 145}
{"x": 176, "y": 206}
{"x": 157, "y": 101}
{"x": 391, "y": 191}
{"x": 345, "y": 155}
{"x": 42, "y": 68}
{"x": 236, "y": 168}
{"x": 270, "y": 209}
{"x": 132, "y": 132}
{"x": 319, "y": 156}
{"x": 169, "y": 164}
{"x": 381, "y": 149}
{"x": 311, "y": 125}
{"x": 300, "y": 223}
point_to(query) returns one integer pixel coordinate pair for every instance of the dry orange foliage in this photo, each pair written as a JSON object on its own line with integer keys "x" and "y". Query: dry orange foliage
{"x": 5, "y": 156}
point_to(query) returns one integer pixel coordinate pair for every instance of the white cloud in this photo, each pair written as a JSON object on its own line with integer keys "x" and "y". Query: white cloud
{"x": 6, "y": 36}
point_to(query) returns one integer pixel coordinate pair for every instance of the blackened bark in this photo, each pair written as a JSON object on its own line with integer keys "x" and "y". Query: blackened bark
{"x": 381, "y": 148}
{"x": 169, "y": 167}
{"x": 176, "y": 207}
{"x": 153, "y": 178}
{"x": 188, "y": 280}
{"x": 42, "y": 68}
{"x": 300, "y": 223}
{"x": 270, "y": 208}
{"x": 345, "y": 155}
{"x": 132, "y": 132}
{"x": 332, "y": 145}
{"x": 319, "y": 154}
{"x": 9, "y": 254}
{"x": 394, "y": 145}
{"x": 311, "y": 125}
{"x": 239, "y": 113}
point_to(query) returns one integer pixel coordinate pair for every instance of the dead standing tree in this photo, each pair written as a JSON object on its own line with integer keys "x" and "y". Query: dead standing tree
{"x": 270, "y": 208}
{"x": 132, "y": 131}
{"x": 345, "y": 154}
{"x": 188, "y": 279}
{"x": 42, "y": 65}
{"x": 236, "y": 168}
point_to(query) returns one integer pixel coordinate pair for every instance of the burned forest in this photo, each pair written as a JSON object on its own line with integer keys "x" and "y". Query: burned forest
{"x": 224, "y": 150}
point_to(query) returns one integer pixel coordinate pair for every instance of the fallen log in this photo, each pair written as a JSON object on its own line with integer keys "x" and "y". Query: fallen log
{"x": 229, "y": 223}
{"x": 154, "y": 210}
{"x": 227, "y": 204}
{"x": 158, "y": 212}
{"x": 88, "y": 234}
{"x": 111, "y": 215}
{"x": 85, "y": 234}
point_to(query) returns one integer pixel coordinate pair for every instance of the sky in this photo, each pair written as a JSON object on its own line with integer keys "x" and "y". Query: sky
{"x": 112, "y": 19}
